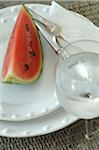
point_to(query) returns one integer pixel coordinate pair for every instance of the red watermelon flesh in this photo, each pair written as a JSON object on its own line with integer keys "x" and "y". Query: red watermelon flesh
{"x": 23, "y": 59}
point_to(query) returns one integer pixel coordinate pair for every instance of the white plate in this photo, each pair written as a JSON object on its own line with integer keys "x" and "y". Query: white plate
{"x": 45, "y": 124}
{"x": 19, "y": 103}
{"x": 39, "y": 126}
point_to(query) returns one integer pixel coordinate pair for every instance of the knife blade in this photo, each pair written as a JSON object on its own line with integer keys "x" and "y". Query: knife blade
{"x": 48, "y": 37}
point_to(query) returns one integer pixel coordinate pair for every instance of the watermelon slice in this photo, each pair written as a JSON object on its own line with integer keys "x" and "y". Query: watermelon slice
{"x": 23, "y": 59}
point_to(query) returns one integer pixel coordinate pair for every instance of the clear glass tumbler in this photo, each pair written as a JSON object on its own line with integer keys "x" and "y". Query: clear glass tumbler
{"x": 77, "y": 80}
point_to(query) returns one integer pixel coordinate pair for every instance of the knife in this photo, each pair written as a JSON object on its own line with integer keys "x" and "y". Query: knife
{"x": 47, "y": 36}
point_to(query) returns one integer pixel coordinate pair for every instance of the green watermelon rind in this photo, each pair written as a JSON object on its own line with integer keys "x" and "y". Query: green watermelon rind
{"x": 12, "y": 78}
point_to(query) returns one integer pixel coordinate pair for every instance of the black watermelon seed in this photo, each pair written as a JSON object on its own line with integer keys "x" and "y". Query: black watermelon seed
{"x": 32, "y": 53}
{"x": 26, "y": 67}
{"x": 30, "y": 43}
{"x": 27, "y": 27}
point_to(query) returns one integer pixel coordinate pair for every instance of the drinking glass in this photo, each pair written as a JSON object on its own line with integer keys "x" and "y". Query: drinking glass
{"x": 77, "y": 80}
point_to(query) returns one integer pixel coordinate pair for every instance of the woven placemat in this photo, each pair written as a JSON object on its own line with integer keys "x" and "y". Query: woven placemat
{"x": 72, "y": 137}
